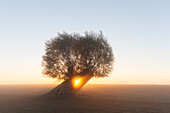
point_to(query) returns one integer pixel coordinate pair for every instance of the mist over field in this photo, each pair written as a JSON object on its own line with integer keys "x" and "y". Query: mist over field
{"x": 92, "y": 98}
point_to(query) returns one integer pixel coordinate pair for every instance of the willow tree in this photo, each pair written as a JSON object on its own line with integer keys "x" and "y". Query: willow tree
{"x": 75, "y": 59}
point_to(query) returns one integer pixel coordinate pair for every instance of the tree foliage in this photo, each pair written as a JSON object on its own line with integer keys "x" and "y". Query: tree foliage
{"x": 68, "y": 55}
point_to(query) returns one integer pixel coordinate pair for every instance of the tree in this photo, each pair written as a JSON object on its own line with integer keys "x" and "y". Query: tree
{"x": 73, "y": 55}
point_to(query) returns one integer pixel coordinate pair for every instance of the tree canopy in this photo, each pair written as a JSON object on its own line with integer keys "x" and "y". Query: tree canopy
{"x": 67, "y": 55}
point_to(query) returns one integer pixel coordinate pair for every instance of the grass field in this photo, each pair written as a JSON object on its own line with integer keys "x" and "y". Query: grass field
{"x": 90, "y": 99}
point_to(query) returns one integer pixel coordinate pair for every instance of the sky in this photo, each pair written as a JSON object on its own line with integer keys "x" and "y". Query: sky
{"x": 137, "y": 30}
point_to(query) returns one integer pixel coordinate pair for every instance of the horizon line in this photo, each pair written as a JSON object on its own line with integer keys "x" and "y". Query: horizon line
{"x": 88, "y": 84}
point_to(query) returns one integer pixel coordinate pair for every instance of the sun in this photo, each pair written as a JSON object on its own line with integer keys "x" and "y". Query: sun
{"x": 77, "y": 82}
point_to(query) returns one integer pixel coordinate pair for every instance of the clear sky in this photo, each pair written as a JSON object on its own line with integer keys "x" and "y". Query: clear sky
{"x": 138, "y": 31}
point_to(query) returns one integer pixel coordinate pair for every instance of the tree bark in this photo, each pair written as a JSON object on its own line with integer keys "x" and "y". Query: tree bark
{"x": 66, "y": 88}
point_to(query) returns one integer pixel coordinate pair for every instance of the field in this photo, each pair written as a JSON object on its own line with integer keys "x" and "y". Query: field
{"x": 90, "y": 99}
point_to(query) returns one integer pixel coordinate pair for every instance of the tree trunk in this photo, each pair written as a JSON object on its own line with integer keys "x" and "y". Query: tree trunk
{"x": 66, "y": 88}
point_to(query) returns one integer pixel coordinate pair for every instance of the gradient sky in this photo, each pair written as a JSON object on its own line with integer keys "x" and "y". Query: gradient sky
{"x": 138, "y": 31}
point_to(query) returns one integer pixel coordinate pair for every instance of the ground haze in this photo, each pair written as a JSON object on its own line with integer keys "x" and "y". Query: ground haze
{"x": 90, "y": 99}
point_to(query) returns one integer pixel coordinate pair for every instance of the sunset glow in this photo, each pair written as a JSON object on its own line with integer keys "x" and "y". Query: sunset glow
{"x": 77, "y": 82}
{"x": 138, "y": 32}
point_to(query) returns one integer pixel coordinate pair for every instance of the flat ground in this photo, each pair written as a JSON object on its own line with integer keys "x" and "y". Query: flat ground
{"x": 90, "y": 99}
